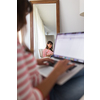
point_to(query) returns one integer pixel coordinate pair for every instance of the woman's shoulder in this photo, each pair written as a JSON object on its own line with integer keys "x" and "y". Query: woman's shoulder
{"x": 50, "y": 51}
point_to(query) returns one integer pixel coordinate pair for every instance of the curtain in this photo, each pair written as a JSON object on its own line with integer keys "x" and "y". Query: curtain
{"x": 39, "y": 33}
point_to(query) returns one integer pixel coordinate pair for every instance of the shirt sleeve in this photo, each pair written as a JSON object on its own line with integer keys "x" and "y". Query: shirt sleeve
{"x": 25, "y": 89}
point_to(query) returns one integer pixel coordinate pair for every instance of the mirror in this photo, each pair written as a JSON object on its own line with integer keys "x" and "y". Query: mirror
{"x": 43, "y": 20}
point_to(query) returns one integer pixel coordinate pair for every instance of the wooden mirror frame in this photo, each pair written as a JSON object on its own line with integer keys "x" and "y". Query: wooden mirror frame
{"x": 31, "y": 20}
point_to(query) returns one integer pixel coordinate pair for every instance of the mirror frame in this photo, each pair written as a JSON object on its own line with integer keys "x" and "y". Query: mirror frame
{"x": 31, "y": 20}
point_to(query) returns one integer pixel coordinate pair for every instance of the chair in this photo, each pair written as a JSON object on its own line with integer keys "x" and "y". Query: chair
{"x": 41, "y": 52}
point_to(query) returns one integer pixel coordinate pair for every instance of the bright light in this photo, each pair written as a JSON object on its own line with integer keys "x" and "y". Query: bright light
{"x": 20, "y": 37}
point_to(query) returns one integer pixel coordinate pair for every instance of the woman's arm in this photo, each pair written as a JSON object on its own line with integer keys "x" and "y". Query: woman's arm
{"x": 48, "y": 55}
{"x": 49, "y": 82}
{"x": 41, "y": 61}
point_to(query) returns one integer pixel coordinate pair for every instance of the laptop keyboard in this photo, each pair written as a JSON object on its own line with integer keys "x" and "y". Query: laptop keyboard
{"x": 71, "y": 68}
{"x": 53, "y": 64}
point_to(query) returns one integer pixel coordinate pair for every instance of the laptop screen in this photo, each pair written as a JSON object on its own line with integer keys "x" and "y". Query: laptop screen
{"x": 70, "y": 46}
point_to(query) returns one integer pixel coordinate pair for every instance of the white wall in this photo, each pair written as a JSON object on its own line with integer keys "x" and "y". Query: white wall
{"x": 52, "y": 33}
{"x": 27, "y": 35}
{"x": 70, "y": 19}
{"x": 81, "y": 7}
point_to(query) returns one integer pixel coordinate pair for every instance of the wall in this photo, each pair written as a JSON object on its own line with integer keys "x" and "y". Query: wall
{"x": 70, "y": 19}
{"x": 27, "y": 37}
{"x": 82, "y": 7}
{"x": 25, "y": 31}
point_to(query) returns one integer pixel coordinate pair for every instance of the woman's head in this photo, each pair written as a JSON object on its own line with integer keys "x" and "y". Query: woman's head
{"x": 23, "y": 8}
{"x": 49, "y": 45}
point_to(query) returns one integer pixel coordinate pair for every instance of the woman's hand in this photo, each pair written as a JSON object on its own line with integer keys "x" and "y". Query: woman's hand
{"x": 49, "y": 82}
{"x": 48, "y": 55}
{"x": 62, "y": 66}
{"x": 42, "y": 61}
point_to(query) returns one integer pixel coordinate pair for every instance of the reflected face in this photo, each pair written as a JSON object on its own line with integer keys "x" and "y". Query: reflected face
{"x": 49, "y": 45}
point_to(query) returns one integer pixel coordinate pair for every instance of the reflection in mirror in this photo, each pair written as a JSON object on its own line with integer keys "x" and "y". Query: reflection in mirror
{"x": 44, "y": 26}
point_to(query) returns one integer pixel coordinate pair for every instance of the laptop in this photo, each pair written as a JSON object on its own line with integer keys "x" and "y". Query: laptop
{"x": 67, "y": 46}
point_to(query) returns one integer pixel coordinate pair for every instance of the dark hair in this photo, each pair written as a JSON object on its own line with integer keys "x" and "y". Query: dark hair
{"x": 23, "y": 8}
{"x": 49, "y": 42}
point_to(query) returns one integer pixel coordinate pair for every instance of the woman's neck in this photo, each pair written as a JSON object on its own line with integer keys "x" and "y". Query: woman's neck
{"x": 48, "y": 48}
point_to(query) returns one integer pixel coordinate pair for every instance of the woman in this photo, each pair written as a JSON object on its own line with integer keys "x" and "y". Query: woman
{"x": 30, "y": 85}
{"x": 48, "y": 52}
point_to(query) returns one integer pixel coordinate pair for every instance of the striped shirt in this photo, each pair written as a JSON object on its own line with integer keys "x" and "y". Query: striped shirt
{"x": 27, "y": 76}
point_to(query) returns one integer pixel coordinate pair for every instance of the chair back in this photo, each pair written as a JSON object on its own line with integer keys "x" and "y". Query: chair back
{"x": 41, "y": 53}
